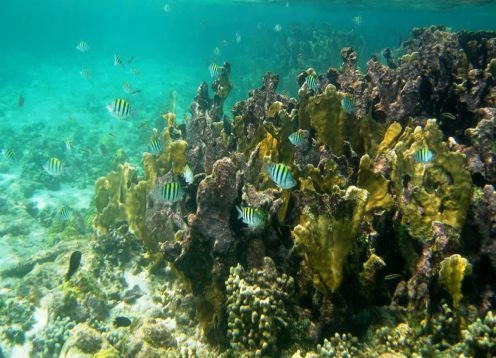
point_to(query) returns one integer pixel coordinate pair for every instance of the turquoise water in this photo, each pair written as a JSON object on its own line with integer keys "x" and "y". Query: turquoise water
{"x": 163, "y": 52}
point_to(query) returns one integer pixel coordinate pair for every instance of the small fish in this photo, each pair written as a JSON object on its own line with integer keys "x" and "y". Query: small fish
{"x": 64, "y": 213}
{"x": 392, "y": 276}
{"x": 311, "y": 82}
{"x": 86, "y": 73}
{"x": 238, "y": 37}
{"x": 142, "y": 125}
{"x": 447, "y": 115}
{"x": 83, "y": 46}
{"x": 348, "y": 104}
{"x": 102, "y": 149}
{"x": 118, "y": 61}
{"x": 277, "y": 28}
{"x": 120, "y": 108}
{"x": 214, "y": 70}
{"x": 135, "y": 72}
{"x": 74, "y": 263}
{"x": 217, "y": 51}
{"x": 252, "y": 217}
{"x": 281, "y": 175}
{"x": 54, "y": 166}
{"x": 8, "y": 154}
{"x": 188, "y": 174}
{"x": 423, "y": 155}
{"x": 298, "y": 138}
{"x": 68, "y": 145}
{"x": 127, "y": 88}
{"x": 171, "y": 192}
{"x": 20, "y": 102}
{"x": 167, "y": 8}
{"x": 155, "y": 146}
{"x": 122, "y": 321}
{"x": 357, "y": 20}
{"x": 130, "y": 59}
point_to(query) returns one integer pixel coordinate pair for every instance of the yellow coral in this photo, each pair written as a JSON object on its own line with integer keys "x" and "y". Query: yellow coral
{"x": 453, "y": 270}
{"x": 377, "y": 186}
{"x": 438, "y": 191}
{"x": 327, "y": 239}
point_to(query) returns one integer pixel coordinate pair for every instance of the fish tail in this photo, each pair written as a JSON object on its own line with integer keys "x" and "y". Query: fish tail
{"x": 240, "y": 212}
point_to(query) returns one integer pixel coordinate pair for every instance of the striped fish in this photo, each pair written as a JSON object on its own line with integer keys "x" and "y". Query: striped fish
{"x": 118, "y": 61}
{"x": 83, "y": 46}
{"x": 214, "y": 70}
{"x": 155, "y": 146}
{"x": 348, "y": 104}
{"x": 311, "y": 82}
{"x": 86, "y": 73}
{"x": 54, "y": 166}
{"x": 254, "y": 218}
{"x": 281, "y": 175}
{"x": 68, "y": 145}
{"x": 8, "y": 154}
{"x": 120, "y": 108}
{"x": 171, "y": 192}
{"x": 423, "y": 155}
{"x": 64, "y": 213}
{"x": 298, "y": 138}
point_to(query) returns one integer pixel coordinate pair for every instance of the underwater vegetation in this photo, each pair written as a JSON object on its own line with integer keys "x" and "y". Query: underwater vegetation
{"x": 356, "y": 219}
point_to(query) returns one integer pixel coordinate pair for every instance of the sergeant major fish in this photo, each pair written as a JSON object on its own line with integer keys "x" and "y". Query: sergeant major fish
{"x": 171, "y": 192}
{"x": 423, "y": 155}
{"x": 54, "y": 166}
{"x": 254, "y": 218}
{"x": 120, "y": 108}
{"x": 281, "y": 175}
{"x": 83, "y": 46}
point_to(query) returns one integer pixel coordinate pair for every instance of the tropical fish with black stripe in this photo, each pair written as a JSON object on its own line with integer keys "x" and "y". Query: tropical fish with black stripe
{"x": 311, "y": 82}
{"x": 83, "y": 46}
{"x": 214, "y": 70}
{"x": 8, "y": 154}
{"x": 171, "y": 192}
{"x": 64, "y": 213}
{"x": 118, "y": 61}
{"x": 281, "y": 175}
{"x": 254, "y": 218}
{"x": 155, "y": 146}
{"x": 299, "y": 138}
{"x": 120, "y": 108}
{"x": 423, "y": 155}
{"x": 348, "y": 104}
{"x": 54, "y": 166}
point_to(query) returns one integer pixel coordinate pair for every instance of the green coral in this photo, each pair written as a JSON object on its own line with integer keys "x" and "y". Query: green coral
{"x": 453, "y": 270}
{"x": 326, "y": 239}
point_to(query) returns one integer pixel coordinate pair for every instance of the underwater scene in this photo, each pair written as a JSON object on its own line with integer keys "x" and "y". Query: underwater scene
{"x": 248, "y": 178}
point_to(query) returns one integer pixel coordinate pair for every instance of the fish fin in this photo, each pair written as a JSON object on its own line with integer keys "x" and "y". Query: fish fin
{"x": 240, "y": 212}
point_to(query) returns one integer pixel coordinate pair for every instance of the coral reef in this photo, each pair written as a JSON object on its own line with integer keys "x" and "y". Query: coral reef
{"x": 392, "y": 200}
